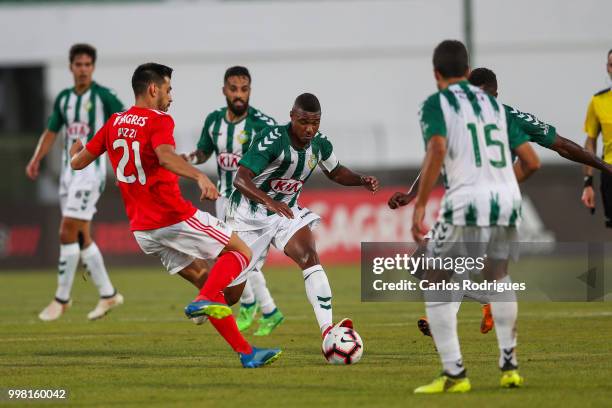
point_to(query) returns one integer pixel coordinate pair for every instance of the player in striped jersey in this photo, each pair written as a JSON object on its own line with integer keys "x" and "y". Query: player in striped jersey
{"x": 264, "y": 207}
{"x": 227, "y": 133}
{"x": 480, "y": 208}
{"x": 80, "y": 111}
{"x": 535, "y": 131}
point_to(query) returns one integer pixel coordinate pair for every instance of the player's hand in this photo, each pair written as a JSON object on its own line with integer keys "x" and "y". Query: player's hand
{"x": 209, "y": 190}
{"x": 419, "y": 230}
{"x": 76, "y": 147}
{"x": 588, "y": 198}
{"x": 400, "y": 199}
{"x": 279, "y": 208}
{"x": 32, "y": 169}
{"x": 370, "y": 183}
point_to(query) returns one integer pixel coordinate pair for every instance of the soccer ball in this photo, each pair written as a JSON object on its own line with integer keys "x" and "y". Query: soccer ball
{"x": 342, "y": 345}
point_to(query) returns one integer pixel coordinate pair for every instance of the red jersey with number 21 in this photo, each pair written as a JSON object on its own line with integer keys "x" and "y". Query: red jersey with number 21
{"x": 150, "y": 192}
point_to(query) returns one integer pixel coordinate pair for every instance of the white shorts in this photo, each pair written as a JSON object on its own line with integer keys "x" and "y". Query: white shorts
{"x": 220, "y": 207}
{"x": 277, "y": 231}
{"x": 78, "y": 197}
{"x": 497, "y": 242}
{"x": 200, "y": 237}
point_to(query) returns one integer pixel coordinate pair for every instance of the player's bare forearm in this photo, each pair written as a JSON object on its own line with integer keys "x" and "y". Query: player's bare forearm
{"x": 590, "y": 145}
{"x": 198, "y": 156}
{"x": 399, "y": 199}
{"x": 80, "y": 157}
{"x": 574, "y": 152}
{"x": 176, "y": 164}
{"x": 528, "y": 162}
{"x": 430, "y": 171}
{"x": 244, "y": 183}
{"x": 45, "y": 142}
{"x": 346, "y": 177}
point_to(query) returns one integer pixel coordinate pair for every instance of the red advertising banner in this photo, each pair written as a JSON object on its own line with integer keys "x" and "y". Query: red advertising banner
{"x": 350, "y": 216}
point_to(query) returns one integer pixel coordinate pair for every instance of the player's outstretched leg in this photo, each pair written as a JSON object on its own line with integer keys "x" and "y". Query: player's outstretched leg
{"x": 248, "y": 307}
{"x": 211, "y": 302}
{"x": 271, "y": 315}
{"x": 109, "y": 297}
{"x": 301, "y": 248}
{"x": 67, "y": 266}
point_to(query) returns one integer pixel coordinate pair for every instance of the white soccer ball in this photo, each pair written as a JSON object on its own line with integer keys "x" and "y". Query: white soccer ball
{"x": 342, "y": 345}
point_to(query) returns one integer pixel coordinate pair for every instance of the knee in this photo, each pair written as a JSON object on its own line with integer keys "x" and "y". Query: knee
{"x": 307, "y": 259}
{"x": 231, "y": 296}
{"x": 68, "y": 234}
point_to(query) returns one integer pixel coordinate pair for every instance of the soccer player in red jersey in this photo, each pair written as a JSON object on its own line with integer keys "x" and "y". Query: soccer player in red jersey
{"x": 140, "y": 146}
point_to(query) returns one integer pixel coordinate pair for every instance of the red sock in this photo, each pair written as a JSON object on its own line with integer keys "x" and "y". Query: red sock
{"x": 226, "y": 269}
{"x": 229, "y": 331}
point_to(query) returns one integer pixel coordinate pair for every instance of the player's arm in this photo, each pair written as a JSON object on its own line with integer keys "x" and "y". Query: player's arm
{"x": 244, "y": 183}
{"x": 205, "y": 146}
{"x": 592, "y": 127}
{"x": 399, "y": 199}
{"x": 527, "y": 163}
{"x": 81, "y": 157}
{"x": 432, "y": 165}
{"x": 45, "y": 142}
{"x": 173, "y": 162}
{"x": 585, "y": 155}
{"x": 346, "y": 177}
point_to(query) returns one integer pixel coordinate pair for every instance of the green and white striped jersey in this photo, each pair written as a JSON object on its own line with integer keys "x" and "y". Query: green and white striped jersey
{"x": 81, "y": 116}
{"x": 280, "y": 169}
{"x": 230, "y": 141}
{"x": 537, "y": 131}
{"x": 481, "y": 188}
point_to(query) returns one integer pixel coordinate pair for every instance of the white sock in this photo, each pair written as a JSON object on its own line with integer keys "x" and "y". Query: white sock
{"x": 247, "y": 297}
{"x": 262, "y": 294}
{"x": 93, "y": 261}
{"x": 505, "y": 310}
{"x": 68, "y": 263}
{"x": 319, "y": 295}
{"x": 442, "y": 317}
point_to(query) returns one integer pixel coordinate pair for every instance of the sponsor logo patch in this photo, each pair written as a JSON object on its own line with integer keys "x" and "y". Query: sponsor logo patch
{"x": 286, "y": 186}
{"x": 228, "y": 161}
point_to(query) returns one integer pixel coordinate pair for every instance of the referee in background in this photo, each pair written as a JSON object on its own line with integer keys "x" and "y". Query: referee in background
{"x": 599, "y": 120}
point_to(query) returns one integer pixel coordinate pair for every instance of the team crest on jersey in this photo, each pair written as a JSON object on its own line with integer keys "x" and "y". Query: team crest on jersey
{"x": 228, "y": 161}
{"x": 286, "y": 186}
{"x": 77, "y": 129}
{"x": 243, "y": 137}
{"x": 312, "y": 161}
{"x": 88, "y": 106}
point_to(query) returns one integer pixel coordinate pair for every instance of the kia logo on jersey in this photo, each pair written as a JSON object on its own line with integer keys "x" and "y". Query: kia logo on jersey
{"x": 228, "y": 161}
{"x": 286, "y": 186}
{"x": 77, "y": 130}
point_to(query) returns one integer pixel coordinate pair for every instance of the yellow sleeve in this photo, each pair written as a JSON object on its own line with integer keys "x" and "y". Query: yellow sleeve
{"x": 592, "y": 126}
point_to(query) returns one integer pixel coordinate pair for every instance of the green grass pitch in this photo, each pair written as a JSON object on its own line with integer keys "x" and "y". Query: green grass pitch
{"x": 147, "y": 354}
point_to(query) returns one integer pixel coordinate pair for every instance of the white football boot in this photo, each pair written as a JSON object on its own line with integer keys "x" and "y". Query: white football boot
{"x": 54, "y": 310}
{"x": 104, "y": 306}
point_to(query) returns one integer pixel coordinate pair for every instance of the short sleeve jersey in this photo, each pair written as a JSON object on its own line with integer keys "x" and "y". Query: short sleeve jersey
{"x": 281, "y": 169}
{"x": 599, "y": 120}
{"x": 481, "y": 189}
{"x": 537, "y": 131}
{"x": 150, "y": 193}
{"x": 80, "y": 117}
{"x": 230, "y": 141}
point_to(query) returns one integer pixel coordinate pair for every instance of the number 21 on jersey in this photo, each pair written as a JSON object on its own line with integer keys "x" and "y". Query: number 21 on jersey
{"x": 135, "y": 145}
